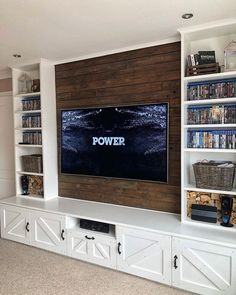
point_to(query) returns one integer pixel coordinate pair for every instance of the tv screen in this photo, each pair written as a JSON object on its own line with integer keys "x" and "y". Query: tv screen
{"x": 122, "y": 142}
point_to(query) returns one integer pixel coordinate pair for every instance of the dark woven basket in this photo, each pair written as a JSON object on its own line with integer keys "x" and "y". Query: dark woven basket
{"x": 32, "y": 163}
{"x": 212, "y": 177}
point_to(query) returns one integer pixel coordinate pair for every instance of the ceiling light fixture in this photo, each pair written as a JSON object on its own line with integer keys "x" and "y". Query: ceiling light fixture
{"x": 187, "y": 15}
{"x": 16, "y": 55}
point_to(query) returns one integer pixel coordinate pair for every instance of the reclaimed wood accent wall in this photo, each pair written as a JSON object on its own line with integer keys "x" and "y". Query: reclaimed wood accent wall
{"x": 142, "y": 76}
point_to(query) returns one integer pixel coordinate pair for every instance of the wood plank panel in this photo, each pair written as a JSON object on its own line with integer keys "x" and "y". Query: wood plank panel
{"x": 140, "y": 76}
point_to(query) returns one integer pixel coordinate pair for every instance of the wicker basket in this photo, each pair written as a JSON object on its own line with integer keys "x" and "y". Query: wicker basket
{"x": 210, "y": 176}
{"x": 32, "y": 163}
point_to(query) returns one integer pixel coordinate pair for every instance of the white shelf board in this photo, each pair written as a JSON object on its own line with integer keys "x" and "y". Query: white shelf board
{"x": 209, "y": 77}
{"x": 190, "y": 187}
{"x": 29, "y": 173}
{"x": 199, "y": 150}
{"x": 217, "y": 225}
{"x": 28, "y": 112}
{"x": 210, "y": 101}
{"x": 28, "y": 129}
{"x": 32, "y": 197}
{"x": 211, "y": 126}
{"x": 27, "y": 94}
{"x": 29, "y": 145}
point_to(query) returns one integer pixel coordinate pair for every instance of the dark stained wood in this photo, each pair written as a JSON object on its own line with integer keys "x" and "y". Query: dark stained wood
{"x": 140, "y": 76}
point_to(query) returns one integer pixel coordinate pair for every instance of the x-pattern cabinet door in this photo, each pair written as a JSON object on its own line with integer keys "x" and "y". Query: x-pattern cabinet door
{"x": 203, "y": 268}
{"x": 48, "y": 231}
{"x": 15, "y": 224}
{"x": 144, "y": 254}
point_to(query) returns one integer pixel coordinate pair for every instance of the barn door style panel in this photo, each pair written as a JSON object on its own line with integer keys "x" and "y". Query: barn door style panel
{"x": 103, "y": 251}
{"x": 15, "y": 224}
{"x": 203, "y": 268}
{"x": 48, "y": 231}
{"x": 144, "y": 254}
{"x": 78, "y": 246}
{"x": 92, "y": 247}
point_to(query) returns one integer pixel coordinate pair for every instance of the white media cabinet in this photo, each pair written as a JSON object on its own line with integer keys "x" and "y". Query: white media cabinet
{"x": 146, "y": 243}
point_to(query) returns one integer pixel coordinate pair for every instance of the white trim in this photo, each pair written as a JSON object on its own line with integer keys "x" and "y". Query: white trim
{"x": 4, "y": 74}
{"x": 118, "y": 50}
{"x": 209, "y": 25}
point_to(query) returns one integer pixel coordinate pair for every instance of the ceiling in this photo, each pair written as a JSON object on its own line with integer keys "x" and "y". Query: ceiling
{"x": 60, "y": 30}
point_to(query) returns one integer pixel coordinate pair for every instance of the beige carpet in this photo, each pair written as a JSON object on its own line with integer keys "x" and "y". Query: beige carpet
{"x": 27, "y": 270}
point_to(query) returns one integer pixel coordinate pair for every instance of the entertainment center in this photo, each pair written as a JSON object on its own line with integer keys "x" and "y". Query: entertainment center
{"x": 164, "y": 247}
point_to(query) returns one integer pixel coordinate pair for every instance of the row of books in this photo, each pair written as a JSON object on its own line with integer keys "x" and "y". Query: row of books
{"x": 211, "y": 89}
{"x": 217, "y": 114}
{"x": 31, "y": 121}
{"x": 212, "y": 139}
{"x": 30, "y": 104}
{"x": 32, "y": 137}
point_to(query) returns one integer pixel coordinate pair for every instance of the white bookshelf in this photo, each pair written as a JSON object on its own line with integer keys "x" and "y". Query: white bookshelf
{"x": 43, "y": 70}
{"x": 205, "y": 37}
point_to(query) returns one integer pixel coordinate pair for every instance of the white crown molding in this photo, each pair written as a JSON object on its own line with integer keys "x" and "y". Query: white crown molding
{"x": 209, "y": 25}
{"x": 119, "y": 50}
{"x": 6, "y": 73}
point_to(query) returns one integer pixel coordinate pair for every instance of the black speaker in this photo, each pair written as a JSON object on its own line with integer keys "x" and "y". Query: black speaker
{"x": 226, "y": 210}
{"x": 24, "y": 185}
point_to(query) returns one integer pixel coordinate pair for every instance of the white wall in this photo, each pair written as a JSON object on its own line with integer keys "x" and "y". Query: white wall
{"x": 7, "y": 181}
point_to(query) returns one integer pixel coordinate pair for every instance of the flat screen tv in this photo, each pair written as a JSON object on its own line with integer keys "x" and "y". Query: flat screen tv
{"x": 121, "y": 142}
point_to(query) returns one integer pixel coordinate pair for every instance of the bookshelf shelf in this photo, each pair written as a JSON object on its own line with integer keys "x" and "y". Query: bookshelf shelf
{"x": 42, "y": 106}
{"x": 210, "y": 77}
{"x": 191, "y": 187}
{"x": 199, "y": 150}
{"x": 29, "y": 173}
{"x": 211, "y": 126}
{"x": 29, "y": 145}
{"x": 210, "y": 101}
{"x": 28, "y": 129}
{"x": 22, "y": 95}
{"x": 28, "y": 112}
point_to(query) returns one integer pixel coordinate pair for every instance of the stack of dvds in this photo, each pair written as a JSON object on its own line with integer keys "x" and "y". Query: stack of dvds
{"x": 32, "y": 137}
{"x": 31, "y": 121}
{"x": 216, "y": 114}
{"x": 211, "y": 89}
{"x": 212, "y": 139}
{"x": 30, "y": 104}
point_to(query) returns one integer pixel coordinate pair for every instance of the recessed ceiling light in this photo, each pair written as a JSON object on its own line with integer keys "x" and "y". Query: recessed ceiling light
{"x": 187, "y": 15}
{"x": 16, "y": 55}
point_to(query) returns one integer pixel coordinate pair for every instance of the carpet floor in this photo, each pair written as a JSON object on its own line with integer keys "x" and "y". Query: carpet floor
{"x": 29, "y": 271}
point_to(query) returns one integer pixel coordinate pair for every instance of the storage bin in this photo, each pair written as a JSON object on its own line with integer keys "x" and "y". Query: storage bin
{"x": 211, "y": 176}
{"x": 32, "y": 163}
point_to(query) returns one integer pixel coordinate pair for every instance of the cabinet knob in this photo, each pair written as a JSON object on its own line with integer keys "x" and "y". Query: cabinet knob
{"x": 62, "y": 235}
{"x": 27, "y": 227}
{"x": 175, "y": 261}
{"x": 89, "y": 238}
{"x": 119, "y": 251}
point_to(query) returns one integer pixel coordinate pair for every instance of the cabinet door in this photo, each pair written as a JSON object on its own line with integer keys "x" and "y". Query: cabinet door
{"x": 203, "y": 268}
{"x": 78, "y": 246}
{"x": 144, "y": 254}
{"x": 103, "y": 251}
{"x": 92, "y": 247}
{"x": 48, "y": 231}
{"x": 15, "y": 224}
